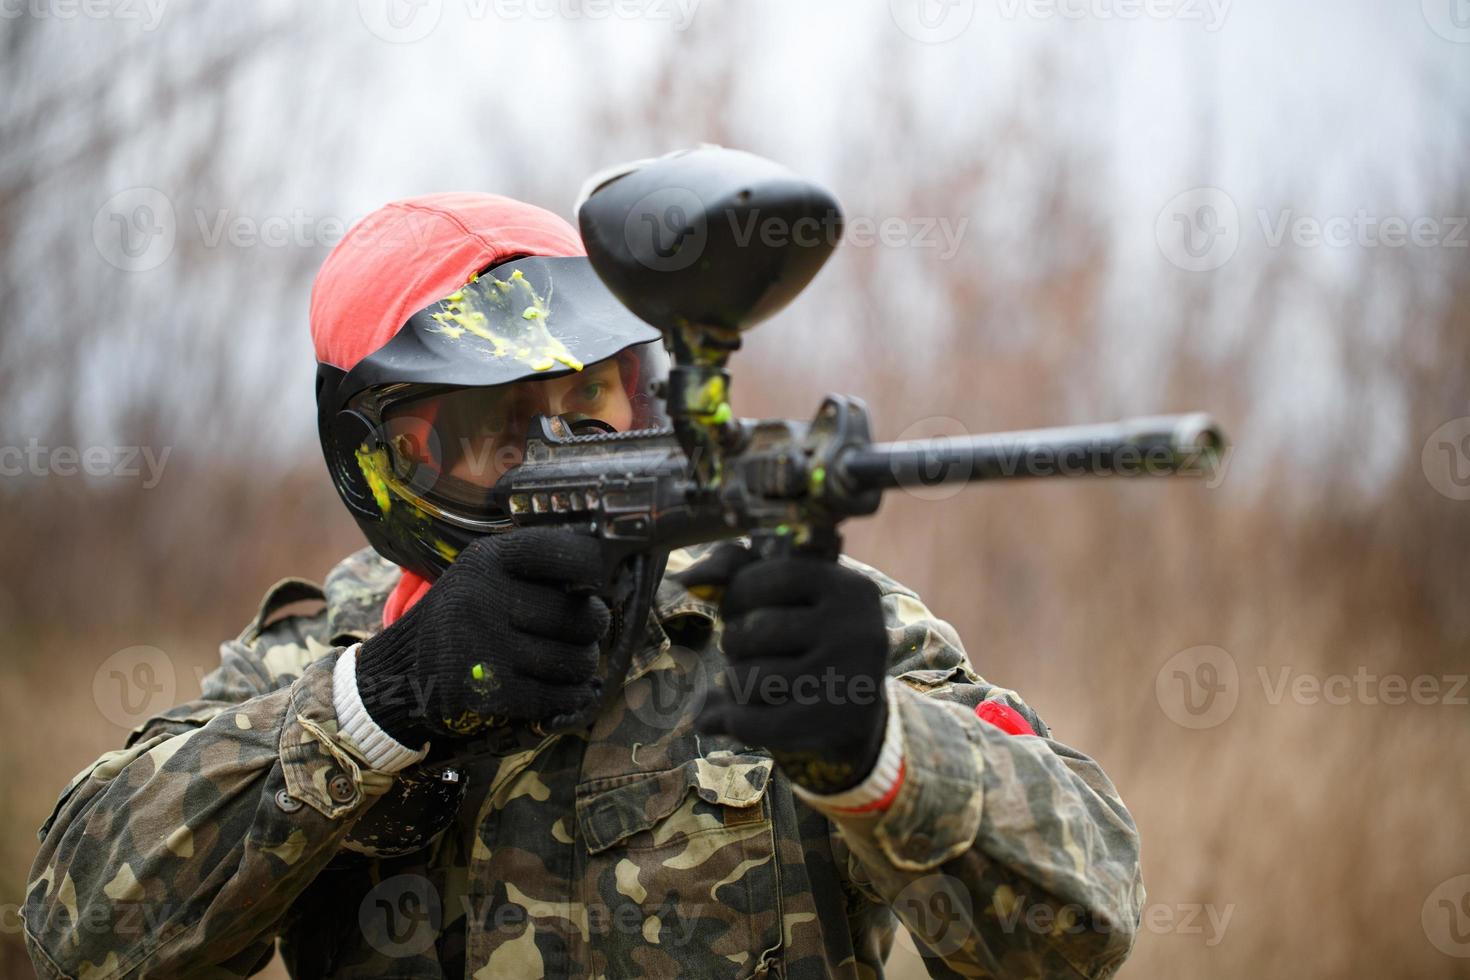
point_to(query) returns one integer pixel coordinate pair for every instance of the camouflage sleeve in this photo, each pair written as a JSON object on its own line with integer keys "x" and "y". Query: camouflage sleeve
{"x": 1003, "y": 855}
{"x": 180, "y": 854}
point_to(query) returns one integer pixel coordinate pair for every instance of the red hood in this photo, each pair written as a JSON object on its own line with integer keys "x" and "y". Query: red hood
{"x": 413, "y": 252}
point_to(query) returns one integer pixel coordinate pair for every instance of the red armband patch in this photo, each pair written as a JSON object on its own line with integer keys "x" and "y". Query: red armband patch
{"x": 1004, "y": 717}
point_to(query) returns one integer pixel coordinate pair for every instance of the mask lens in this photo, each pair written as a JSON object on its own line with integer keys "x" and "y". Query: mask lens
{"x": 452, "y": 446}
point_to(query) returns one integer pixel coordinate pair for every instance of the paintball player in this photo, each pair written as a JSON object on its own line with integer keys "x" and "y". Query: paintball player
{"x": 798, "y": 760}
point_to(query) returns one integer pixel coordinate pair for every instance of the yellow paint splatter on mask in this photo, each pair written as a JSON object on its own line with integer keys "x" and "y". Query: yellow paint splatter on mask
{"x": 375, "y": 469}
{"x": 509, "y": 315}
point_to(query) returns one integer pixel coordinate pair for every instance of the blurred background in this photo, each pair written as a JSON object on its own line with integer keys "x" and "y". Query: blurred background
{"x": 1059, "y": 210}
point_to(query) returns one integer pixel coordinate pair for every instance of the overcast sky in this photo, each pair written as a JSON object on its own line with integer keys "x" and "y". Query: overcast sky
{"x": 1290, "y": 109}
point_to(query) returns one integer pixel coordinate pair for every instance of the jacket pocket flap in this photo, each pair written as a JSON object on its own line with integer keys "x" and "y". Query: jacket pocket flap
{"x": 614, "y": 809}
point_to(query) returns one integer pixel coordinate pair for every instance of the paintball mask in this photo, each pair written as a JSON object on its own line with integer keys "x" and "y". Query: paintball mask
{"x": 417, "y": 432}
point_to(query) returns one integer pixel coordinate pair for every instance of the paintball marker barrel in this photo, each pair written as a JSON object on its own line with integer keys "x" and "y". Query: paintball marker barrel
{"x": 1156, "y": 445}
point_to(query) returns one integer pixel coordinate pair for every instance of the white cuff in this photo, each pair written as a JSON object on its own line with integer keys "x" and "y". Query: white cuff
{"x": 881, "y": 781}
{"x": 382, "y": 751}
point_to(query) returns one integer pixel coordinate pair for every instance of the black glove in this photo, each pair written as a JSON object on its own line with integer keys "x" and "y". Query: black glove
{"x": 510, "y": 630}
{"x": 807, "y": 651}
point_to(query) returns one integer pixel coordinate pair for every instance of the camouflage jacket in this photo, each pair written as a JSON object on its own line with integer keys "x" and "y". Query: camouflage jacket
{"x": 234, "y": 823}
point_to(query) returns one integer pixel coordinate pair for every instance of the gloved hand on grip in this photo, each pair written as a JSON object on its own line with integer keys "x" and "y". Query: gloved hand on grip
{"x": 510, "y": 631}
{"x": 807, "y": 653}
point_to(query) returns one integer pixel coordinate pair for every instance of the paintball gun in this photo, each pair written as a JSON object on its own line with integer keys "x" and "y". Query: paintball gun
{"x": 670, "y": 238}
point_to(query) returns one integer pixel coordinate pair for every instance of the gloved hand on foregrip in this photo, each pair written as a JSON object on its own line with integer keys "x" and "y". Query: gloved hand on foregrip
{"x": 509, "y": 631}
{"x": 807, "y": 652}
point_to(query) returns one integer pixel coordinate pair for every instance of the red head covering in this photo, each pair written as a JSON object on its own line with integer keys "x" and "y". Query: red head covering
{"x": 413, "y": 252}
{"x": 406, "y": 255}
